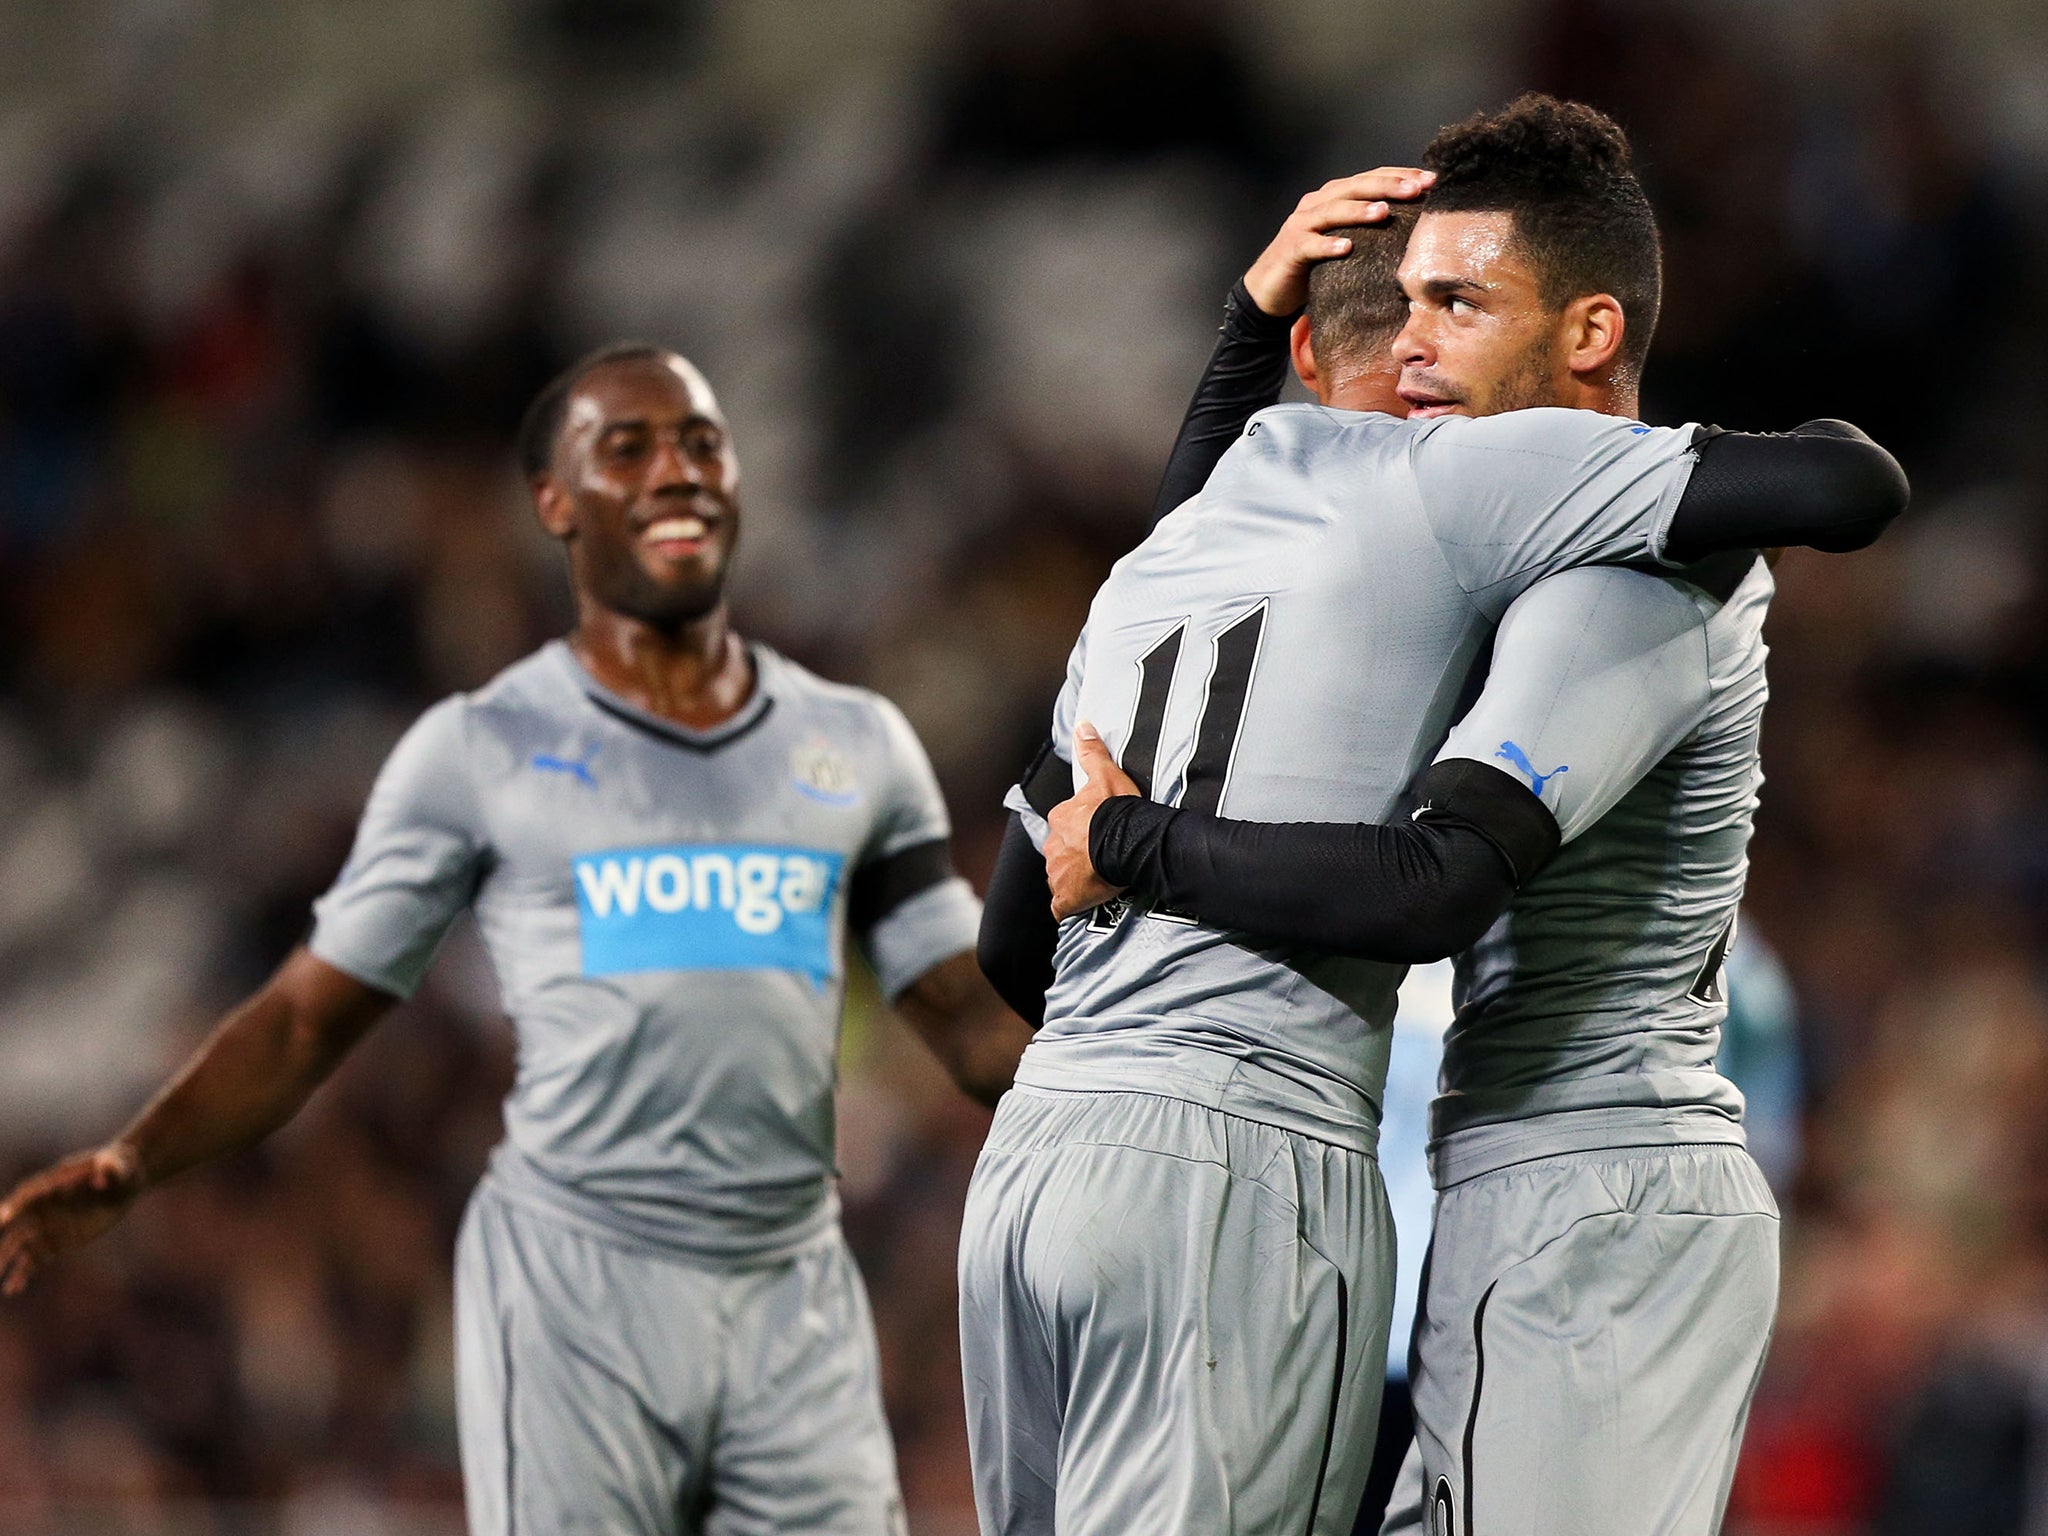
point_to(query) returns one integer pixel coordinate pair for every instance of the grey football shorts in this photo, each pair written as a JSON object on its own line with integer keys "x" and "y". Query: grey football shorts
{"x": 606, "y": 1387}
{"x": 1172, "y": 1320}
{"x": 1591, "y": 1330}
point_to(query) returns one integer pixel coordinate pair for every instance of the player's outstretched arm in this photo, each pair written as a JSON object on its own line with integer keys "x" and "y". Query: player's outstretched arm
{"x": 250, "y": 1077}
{"x": 958, "y": 1014}
{"x": 1251, "y": 362}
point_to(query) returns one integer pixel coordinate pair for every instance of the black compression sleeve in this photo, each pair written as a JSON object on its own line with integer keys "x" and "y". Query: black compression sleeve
{"x": 1406, "y": 893}
{"x": 1244, "y": 376}
{"x": 1017, "y": 926}
{"x": 1824, "y": 485}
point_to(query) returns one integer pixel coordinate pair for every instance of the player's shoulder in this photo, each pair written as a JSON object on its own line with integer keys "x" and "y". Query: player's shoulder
{"x": 525, "y": 708}
{"x": 1324, "y": 426}
{"x": 542, "y": 683}
{"x": 1550, "y": 431}
{"x": 823, "y": 704}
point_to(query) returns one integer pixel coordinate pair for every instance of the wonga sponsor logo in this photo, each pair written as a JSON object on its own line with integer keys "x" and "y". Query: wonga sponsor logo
{"x": 703, "y": 907}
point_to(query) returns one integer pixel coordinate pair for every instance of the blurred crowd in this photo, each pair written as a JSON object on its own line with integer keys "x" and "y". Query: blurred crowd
{"x": 273, "y": 292}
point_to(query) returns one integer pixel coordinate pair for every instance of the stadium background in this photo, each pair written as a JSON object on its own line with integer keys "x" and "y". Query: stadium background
{"x": 275, "y": 278}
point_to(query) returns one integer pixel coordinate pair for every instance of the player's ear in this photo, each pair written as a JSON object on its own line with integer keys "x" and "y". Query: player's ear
{"x": 1303, "y": 348}
{"x": 1593, "y": 328}
{"x": 552, "y": 506}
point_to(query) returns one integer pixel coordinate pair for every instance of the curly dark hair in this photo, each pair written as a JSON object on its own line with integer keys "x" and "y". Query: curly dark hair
{"x": 1564, "y": 170}
{"x": 1355, "y": 303}
{"x": 542, "y": 422}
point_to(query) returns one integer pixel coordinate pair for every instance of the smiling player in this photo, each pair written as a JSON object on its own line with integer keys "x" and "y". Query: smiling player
{"x": 666, "y": 834}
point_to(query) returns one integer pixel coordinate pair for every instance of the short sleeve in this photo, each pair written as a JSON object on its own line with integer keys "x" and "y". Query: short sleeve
{"x": 909, "y": 909}
{"x": 1596, "y": 675}
{"x": 419, "y": 853}
{"x": 1520, "y": 496}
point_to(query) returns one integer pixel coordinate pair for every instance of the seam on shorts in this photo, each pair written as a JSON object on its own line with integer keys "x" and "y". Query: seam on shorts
{"x": 511, "y": 1445}
{"x": 1315, "y": 1504}
{"x": 1478, "y": 1383}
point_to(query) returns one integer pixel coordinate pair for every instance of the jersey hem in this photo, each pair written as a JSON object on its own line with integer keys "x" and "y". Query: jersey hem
{"x": 512, "y": 1177}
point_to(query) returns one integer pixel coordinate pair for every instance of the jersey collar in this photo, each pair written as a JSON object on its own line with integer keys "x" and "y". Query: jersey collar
{"x": 751, "y": 713}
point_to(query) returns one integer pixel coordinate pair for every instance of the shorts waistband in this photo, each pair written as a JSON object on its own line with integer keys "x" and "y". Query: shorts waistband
{"x": 1480, "y": 1149}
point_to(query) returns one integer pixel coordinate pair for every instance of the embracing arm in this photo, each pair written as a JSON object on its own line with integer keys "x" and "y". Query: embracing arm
{"x": 1403, "y": 892}
{"x": 1823, "y": 485}
{"x": 1244, "y": 376}
{"x": 1600, "y": 670}
{"x": 1018, "y": 930}
{"x": 252, "y": 1075}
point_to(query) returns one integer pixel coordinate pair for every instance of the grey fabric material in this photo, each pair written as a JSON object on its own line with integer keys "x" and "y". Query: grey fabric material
{"x": 1369, "y": 558}
{"x": 666, "y": 914}
{"x": 1591, "y": 1331}
{"x": 1154, "y": 1332}
{"x": 605, "y": 1388}
{"x": 1631, "y": 703}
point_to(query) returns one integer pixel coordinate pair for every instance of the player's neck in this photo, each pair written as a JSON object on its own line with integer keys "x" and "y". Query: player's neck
{"x": 1606, "y": 396}
{"x": 697, "y": 674}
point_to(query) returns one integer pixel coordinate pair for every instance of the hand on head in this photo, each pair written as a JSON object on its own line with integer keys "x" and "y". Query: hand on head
{"x": 1278, "y": 280}
{"x": 1076, "y": 887}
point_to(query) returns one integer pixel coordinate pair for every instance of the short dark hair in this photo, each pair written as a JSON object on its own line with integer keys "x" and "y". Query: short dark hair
{"x": 1564, "y": 170}
{"x": 1355, "y": 303}
{"x": 542, "y": 423}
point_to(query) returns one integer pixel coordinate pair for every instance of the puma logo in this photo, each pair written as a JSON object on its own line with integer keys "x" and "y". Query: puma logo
{"x": 577, "y": 769}
{"x": 1516, "y": 758}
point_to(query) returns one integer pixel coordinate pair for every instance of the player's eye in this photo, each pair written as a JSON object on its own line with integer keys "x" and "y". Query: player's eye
{"x": 623, "y": 444}
{"x": 704, "y": 443}
{"x": 1460, "y": 305}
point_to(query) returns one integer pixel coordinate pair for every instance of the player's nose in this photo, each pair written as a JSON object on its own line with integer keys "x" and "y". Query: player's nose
{"x": 1412, "y": 346}
{"x": 671, "y": 466}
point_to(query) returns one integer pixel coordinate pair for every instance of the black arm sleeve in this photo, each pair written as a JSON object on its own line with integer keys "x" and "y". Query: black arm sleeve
{"x": 1405, "y": 893}
{"x": 1017, "y": 926}
{"x": 1244, "y": 376}
{"x": 1824, "y": 485}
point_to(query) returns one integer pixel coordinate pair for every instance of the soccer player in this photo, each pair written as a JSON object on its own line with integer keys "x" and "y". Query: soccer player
{"x": 1303, "y": 633}
{"x": 666, "y": 833}
{"x": 1602, "y": 1278}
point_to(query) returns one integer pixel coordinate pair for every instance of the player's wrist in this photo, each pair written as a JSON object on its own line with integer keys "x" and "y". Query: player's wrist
{"x": 1261, "y": 302}
{"x": 1123, "y": 832}
{"x": 120, "y": 1165}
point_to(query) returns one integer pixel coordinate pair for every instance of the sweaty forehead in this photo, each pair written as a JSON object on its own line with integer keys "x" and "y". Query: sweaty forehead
{"x": 661, "y": 388}
{"x": 1469, "y": 248}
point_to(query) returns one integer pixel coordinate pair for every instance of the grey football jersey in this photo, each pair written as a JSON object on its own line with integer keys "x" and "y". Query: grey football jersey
{"x": 1292, "y": 644}
{"x": 1589, "y": 1016}
{"x": 665, "y": 910}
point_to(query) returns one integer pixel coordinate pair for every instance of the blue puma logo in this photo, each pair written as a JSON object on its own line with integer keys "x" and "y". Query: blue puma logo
{"x": 579, "y": 770}
{"x": 1518, "y": 759}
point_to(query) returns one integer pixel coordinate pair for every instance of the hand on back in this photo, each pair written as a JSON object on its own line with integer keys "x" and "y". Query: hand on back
{"x": 1076, "y": 888}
